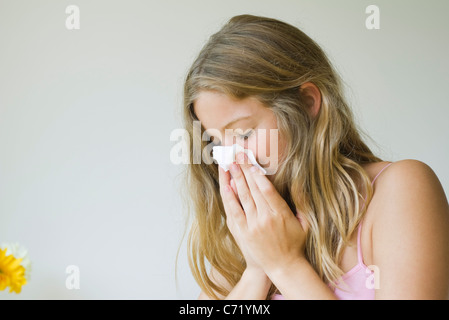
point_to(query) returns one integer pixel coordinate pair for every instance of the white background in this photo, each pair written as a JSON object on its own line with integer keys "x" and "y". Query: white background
{"x": 86, "y": 116}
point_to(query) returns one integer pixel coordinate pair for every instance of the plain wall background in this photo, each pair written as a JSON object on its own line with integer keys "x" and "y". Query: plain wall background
{"x": 86, "y": 116}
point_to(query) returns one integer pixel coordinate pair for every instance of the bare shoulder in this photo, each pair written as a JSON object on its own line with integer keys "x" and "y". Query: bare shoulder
{"x": 411, "y": 189}
{"x": 409, "y": 168}
{"x": 410, "y": 177}
{"x": 410, "y": 231}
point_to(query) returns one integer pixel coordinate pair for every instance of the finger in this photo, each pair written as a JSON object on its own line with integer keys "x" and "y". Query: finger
{"x": 233, "y": 210}
{"x": 234, "y": 188}
{"x": 223, "y": 178}
{"x": 243, "y": 191}
{"x": 258, "y": 198}
{"x": 224, "y": 182}
{"x": 231, "y": 203}
{"x": 270, "y": 194}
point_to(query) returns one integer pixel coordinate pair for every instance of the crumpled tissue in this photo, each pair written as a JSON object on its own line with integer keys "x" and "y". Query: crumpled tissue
{"x": 225, "y": 156}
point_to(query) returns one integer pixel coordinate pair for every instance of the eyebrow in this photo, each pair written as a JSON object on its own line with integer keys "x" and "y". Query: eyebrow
{"x": 234, "y": 121}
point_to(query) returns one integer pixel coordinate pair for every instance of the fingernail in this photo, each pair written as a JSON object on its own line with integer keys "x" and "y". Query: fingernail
{"x": 253, "y": 169}
{"x": 234, "y": 167}
{"x": 241, "y": 157}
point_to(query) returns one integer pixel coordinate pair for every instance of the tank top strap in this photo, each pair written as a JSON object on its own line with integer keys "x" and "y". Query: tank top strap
{"x": 359, "y": 244}
{"x": 359, "y": 231}
{"x": 372, "y": 182}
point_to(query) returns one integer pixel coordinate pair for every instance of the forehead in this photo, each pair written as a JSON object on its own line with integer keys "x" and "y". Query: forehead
{"x": 215, "y": 109}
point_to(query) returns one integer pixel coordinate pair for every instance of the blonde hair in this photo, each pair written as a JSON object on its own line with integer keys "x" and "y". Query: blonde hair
{"x": 321, "y": 175}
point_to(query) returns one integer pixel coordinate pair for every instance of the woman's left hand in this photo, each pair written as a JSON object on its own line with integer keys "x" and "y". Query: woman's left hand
{"x": 272, "y": 233}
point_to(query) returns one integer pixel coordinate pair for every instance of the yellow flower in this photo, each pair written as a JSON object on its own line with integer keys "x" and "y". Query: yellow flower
{"x": 12, "y": 272}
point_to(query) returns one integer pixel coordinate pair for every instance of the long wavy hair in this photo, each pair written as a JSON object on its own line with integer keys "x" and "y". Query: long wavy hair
{"x": 321, "y": 175}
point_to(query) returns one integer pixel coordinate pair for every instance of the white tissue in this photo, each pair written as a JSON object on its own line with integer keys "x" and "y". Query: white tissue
{"x": 225, "y": 156}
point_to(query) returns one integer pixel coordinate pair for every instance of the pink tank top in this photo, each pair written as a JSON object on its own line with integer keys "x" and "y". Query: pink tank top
{"x": 357, "y": 283}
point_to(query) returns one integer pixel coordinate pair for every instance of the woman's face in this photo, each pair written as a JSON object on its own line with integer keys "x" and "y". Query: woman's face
{"x": 246, "y": 122}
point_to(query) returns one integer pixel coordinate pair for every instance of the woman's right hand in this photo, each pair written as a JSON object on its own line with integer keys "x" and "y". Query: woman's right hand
{"x": 226, "y": 180}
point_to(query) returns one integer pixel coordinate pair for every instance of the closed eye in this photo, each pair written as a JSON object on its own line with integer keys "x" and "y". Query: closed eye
{"x": 244, "y": 136}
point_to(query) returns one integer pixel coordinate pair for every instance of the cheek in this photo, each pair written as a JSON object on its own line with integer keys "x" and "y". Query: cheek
{"x": 265, "y": 146}
{"x": 282, "y": 145}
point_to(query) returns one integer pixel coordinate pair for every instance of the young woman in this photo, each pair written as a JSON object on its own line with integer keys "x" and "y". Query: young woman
{"x": 332, "y": 221}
